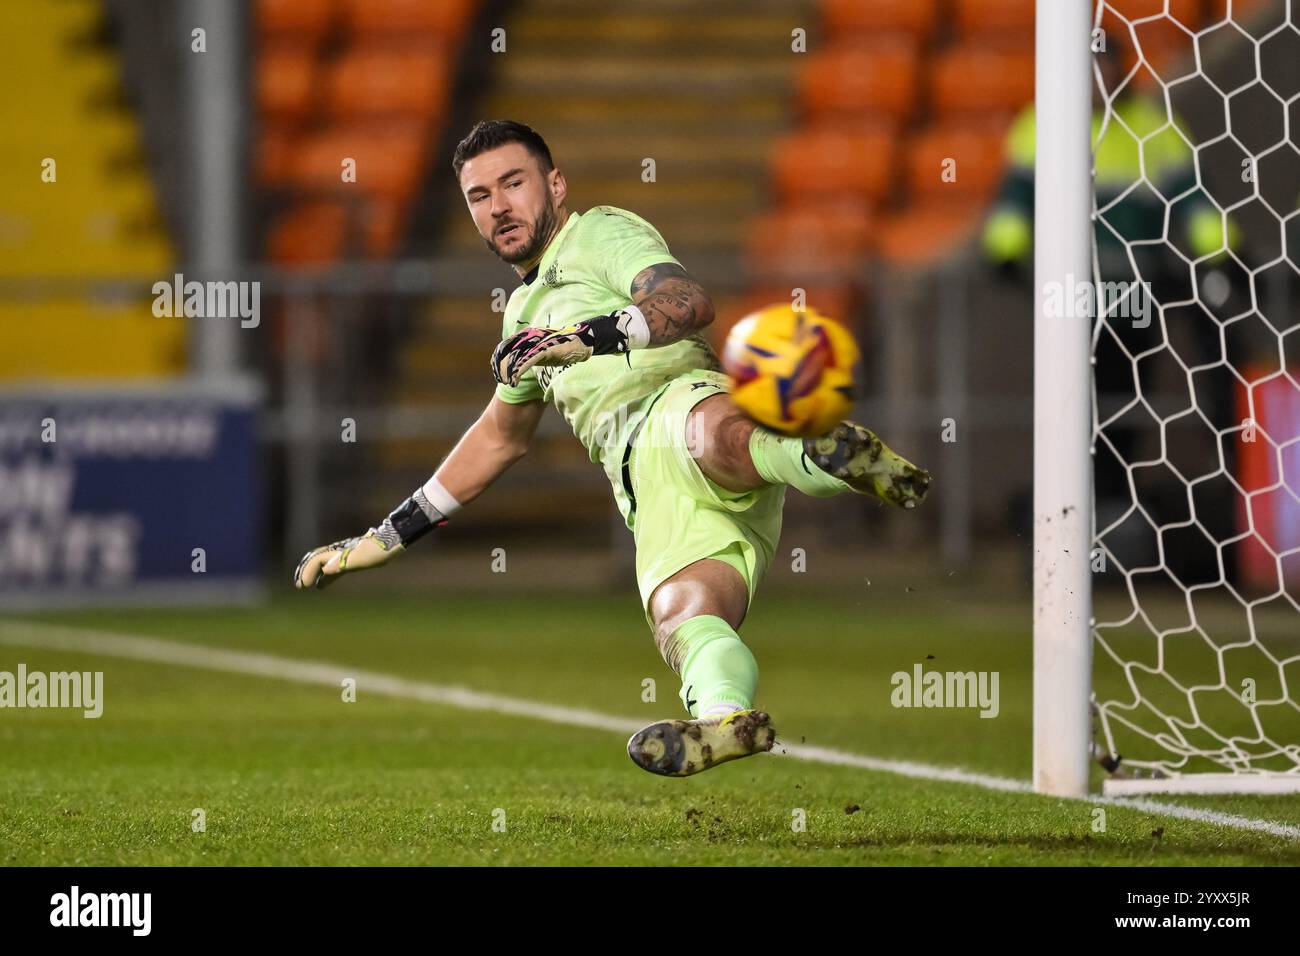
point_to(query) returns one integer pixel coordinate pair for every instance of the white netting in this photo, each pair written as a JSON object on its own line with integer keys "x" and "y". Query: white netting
{"x": 1196, "y": 411}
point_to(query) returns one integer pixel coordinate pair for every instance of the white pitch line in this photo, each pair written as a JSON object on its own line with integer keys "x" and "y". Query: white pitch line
{"x": 157, "y": 651}
{"x": 302, "y": 671}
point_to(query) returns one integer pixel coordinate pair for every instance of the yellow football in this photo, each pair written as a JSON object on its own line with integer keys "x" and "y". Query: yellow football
{"x": 793, "y": 370}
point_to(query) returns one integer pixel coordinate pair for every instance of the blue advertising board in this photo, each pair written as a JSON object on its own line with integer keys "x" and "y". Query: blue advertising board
{"x": 113, "y": 496}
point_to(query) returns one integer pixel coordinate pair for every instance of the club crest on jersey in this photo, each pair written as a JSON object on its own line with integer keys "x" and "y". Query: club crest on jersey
{"x": 553, "y": 275}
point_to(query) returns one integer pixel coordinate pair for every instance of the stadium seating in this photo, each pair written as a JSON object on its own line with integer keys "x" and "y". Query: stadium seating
{"x": 273, "y": 155}
{"x": 383, "y": 80}
{"x": 365, "y": 80}
{"x": 834, "y": 160}
{"x": 896, "y": 89}
{"x": 816, "y": 242}
{"x": 867, "y": 78}
{"x": 388, "y": 159}
{"x": 310, "y": 233}
{"x": 851, "y": 19}
{"x": 1005, "y": 23}
{"x": 917, "y": 235}
{"x": 304, "y": 21}
{"x": 972, "y": 79}
{"x": 959, "y": 158}
{"x": 924, "y": 82}
{"x": 287, "y": 81}
{"x": 445, "y": 20}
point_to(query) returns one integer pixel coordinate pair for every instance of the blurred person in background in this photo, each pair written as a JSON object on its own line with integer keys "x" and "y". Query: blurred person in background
{"x": 1136, "y": 141}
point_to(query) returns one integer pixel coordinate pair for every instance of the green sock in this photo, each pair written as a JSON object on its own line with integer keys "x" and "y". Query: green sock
{"x": 780, "y": 460}
{"x": 715, "y": 665}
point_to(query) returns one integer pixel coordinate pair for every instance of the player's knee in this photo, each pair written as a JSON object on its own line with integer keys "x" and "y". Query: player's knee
{"x": 719, "y": 439}
{"x": 736, "y": 432}
{"x": 669, "y": 608}
{"x": 705, "y": 587}
{"x": 739, "y": 430}
{"x": 702, "y": 431}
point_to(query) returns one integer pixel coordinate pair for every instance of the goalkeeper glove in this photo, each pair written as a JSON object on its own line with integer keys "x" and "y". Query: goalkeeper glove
{"x": 411, "y": 520}
{"x": 604, "y": 335}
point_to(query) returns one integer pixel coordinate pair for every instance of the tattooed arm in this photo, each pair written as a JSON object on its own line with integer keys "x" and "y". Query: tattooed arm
{"x": 668, "y": 305}
{"x": 674, "y": 304}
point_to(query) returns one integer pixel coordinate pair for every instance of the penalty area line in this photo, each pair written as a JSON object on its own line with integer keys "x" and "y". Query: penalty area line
{"x": 298, "y": 670}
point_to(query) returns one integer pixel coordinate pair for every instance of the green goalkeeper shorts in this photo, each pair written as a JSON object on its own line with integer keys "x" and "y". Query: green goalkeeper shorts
{"x": 679, "y": 516}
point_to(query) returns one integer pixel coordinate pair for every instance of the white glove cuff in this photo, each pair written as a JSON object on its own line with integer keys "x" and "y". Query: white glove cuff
{"x": 632, "y": 323}
{"x": 440, "y": 497}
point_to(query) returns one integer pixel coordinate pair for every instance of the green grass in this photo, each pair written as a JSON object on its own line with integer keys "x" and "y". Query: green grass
{"x": 290, "y": 774}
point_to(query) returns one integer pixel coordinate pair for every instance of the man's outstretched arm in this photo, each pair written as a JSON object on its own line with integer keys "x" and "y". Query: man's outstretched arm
{"x": 496, "y": 441}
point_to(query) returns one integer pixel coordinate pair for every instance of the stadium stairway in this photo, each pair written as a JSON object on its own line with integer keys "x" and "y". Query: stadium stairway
{"x": 97, "y": 218}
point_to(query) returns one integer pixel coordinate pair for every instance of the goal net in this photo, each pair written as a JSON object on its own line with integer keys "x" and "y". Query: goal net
{"x": 1195, "y": 559}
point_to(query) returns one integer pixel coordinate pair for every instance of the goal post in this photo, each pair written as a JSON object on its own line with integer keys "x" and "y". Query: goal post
{"x": 1062, "y": 470}
{"x": 1167, "y": 397}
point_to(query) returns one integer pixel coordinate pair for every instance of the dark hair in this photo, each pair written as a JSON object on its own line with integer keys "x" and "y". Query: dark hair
{"x": 489, "y": 134}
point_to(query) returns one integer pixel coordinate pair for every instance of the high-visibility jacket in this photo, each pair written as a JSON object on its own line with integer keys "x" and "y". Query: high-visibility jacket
{"x": 1144, "y": 164}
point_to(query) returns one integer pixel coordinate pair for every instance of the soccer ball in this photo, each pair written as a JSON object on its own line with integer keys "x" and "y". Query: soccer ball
{"x": 791, "y": 370}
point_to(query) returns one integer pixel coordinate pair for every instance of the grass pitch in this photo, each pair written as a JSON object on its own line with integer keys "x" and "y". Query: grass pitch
{"x": 288, "y": 773}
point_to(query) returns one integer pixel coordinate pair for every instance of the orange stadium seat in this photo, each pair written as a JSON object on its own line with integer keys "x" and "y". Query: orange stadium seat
{"x": 302, "y": 20}
{"x": 1004, "y": 22}
{"x": 834, "y": 160}
{"x": 322, "y": 231}
{"x": 810, "y": 244}
{"x": 274, "y": 153}
{"x": 995, "y": 24}
{"x": 376, "y": 80}
{"x": 308, "y": 233}
{"x": 928, "y": 232}
{"x": 853, "y": 18}
{"x": 286, "y": 80}
{"x": 978, "y": 154}
{"x": 446, "y": 18}
{"x": 971, "y": 79}
{"x": 389, "y": 159}
{"x": 383, "y": 221}
{"x": 860, "y": 79}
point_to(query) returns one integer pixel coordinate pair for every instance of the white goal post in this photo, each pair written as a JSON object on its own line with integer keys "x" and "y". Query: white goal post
{"x": 1166, "y": 583}
{"x": 1062, "y": 469}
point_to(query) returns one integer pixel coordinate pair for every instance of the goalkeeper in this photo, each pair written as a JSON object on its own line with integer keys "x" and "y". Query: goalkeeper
{"x": 606, "y": 325}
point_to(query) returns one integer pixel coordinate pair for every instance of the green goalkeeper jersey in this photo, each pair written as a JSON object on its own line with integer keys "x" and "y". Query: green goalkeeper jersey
{"x": 586, "y": 271}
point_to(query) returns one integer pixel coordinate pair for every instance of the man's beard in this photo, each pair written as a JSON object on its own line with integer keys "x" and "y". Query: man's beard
{"x": 542, "y": 230}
